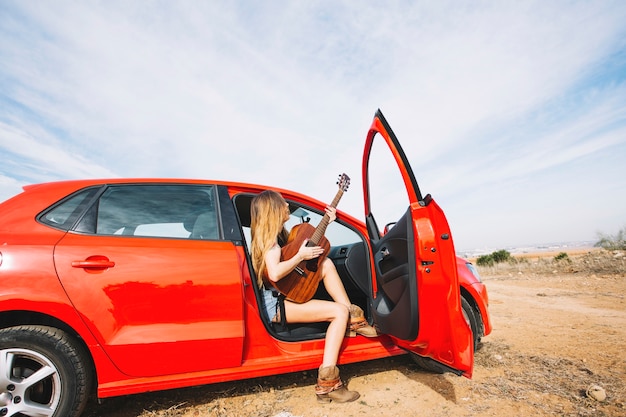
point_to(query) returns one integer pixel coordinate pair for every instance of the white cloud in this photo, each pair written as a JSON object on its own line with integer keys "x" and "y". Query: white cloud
{"x": 283, "y": 94}
{"x": 38, "y": 159}
{"x": 9, "y": 187}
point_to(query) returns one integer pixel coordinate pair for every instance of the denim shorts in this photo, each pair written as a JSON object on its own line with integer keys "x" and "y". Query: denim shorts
{"x": 270, "y": 303}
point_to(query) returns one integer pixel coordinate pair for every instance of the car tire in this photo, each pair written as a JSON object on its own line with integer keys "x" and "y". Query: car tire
{"x": 63, "y": 389}
{"x": 470, "y": 316}
{"x": 431, "y": 365}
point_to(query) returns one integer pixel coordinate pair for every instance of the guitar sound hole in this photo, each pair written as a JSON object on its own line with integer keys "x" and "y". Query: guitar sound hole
{"x": 311, "y": 265}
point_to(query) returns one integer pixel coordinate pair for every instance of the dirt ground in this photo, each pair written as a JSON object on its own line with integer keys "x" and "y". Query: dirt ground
{"x": 559, "y": 327}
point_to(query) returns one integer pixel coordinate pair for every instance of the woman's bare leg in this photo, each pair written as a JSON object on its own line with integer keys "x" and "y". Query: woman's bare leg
{"x": 333, "y": 283}
{"x": 357, "y": 321}
{"x": 319, "y": 310}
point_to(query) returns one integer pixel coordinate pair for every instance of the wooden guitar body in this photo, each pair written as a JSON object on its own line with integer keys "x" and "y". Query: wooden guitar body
{"x": 301, "y": 283}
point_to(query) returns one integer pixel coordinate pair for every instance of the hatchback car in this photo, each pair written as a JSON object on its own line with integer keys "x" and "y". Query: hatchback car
{"x": 121, "y": 286}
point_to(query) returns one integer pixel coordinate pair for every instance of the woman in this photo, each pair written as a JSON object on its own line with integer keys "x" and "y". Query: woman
{"x": 269, "y": 212}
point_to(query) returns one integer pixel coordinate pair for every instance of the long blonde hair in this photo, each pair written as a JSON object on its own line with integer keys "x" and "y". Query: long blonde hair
{"x": 266, "y": 225}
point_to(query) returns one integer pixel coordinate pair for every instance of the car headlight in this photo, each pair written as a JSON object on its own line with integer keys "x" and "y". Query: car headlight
{"x": 473, "y": 270}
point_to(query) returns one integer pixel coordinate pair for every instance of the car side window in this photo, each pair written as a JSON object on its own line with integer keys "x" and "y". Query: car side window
{"x": 168, "y": 211}
{"x": 64, "y": 214}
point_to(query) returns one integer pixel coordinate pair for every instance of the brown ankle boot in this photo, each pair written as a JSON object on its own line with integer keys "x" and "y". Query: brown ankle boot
{"x": 330, "y": 388}
{"x": 358, "y": 324}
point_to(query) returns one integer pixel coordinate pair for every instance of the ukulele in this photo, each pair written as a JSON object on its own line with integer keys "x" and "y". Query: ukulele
{"x": 301, "y": 284}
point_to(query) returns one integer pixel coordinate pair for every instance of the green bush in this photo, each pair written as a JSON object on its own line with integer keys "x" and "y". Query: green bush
{"x": 494, "y": 258}
{"x": 485, "y": 260}
{"x": 617, "y": 242}
{"x": 501, "y": 256}
{"x": 562, "y": 257}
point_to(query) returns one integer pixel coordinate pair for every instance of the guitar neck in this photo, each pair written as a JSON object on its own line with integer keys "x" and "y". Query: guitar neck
{"x": 321, "y": 227}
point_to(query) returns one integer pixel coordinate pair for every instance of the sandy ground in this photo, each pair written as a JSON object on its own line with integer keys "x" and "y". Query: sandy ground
{"x": 558, "y": 329}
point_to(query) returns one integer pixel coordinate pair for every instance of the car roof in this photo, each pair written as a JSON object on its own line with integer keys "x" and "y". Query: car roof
{"x": 39, "y": 196}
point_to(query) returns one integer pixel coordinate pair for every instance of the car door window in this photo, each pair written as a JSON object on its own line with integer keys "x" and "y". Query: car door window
{"x": 396, "y": 305}
{"x": 388, "y": 196}
{"x": 167, "y": 211}
{"x": 64, "y": 214}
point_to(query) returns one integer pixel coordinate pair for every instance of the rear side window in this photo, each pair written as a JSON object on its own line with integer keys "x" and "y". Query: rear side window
{"x": 168, "y": 211}
{"x": 64, "y": 214}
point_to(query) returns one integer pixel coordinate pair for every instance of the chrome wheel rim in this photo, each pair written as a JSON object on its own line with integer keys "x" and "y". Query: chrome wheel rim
{"x": 30, "y": 384}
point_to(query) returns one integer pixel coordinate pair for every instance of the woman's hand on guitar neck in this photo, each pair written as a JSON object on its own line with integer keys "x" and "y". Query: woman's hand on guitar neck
{"x": 332, "y": 213}
{"x": 309, "y": 252}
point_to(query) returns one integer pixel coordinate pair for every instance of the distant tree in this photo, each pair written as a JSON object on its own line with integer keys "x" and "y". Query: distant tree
{"x": 608, "y": 242}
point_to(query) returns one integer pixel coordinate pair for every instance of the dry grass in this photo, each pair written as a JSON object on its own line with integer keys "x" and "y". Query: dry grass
{"x": 551, "y": 385}
{"x": 554, "y": 385}
{"x": 598, "y": 262}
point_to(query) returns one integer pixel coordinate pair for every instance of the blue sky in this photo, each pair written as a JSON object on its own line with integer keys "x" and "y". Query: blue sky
{"x": 513, "y": 114}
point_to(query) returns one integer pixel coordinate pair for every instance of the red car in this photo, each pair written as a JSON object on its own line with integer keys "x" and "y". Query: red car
{"x": 124, "y": 286}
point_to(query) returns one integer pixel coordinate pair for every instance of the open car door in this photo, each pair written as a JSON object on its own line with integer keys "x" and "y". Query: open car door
{"x": 416, "y": 294}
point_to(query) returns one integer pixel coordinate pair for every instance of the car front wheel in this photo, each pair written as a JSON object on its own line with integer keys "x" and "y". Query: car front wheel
{"x": 43, "y": 372}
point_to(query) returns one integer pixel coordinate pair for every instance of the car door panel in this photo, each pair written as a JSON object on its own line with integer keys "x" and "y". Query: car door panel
{"x": 172, "y": 306}
{"x": 395, "y": 306}
{"x": 156, "y": 284}
{"x": 416, "y": 296}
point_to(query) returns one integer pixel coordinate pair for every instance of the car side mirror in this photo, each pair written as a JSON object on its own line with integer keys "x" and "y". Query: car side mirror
{"x": 388, "y": 227}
